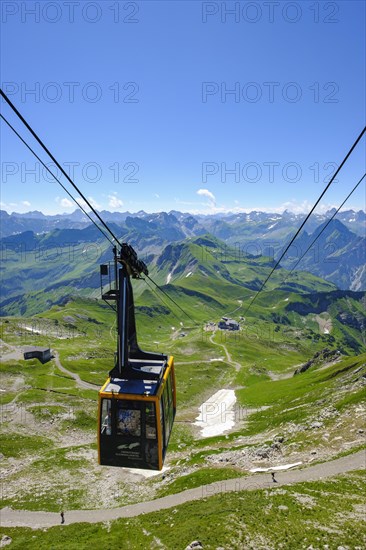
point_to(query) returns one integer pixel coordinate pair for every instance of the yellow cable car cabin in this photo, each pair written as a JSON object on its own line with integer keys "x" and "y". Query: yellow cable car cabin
{"x": 137, "y": 403}
{"x": 136, "y": 418}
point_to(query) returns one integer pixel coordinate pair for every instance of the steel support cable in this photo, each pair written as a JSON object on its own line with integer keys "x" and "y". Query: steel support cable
{"x": 306, "y": 219}
{"x": 53, "y": 175}
{"x": 75, "y": 187}
{"x": 160, "y": 298}
{"x": 20, "y": 116}
{"x": 170, "y": 298}
{"x": 324, "y": 228}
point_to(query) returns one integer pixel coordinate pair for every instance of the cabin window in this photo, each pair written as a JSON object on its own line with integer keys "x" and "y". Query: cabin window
{"x": 169, "y": 388}
{"x": 150, "y": 421}
{"x": 106, "y": 417}
{"x": 166, "y": 414}
{"x": 162, "y": 419}
{"x": 128, "y": 419}
{"x": 171, "y": 400}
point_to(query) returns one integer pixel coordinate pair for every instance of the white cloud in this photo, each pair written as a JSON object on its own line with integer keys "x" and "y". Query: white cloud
{"x": 91, "y": 200}
{"x": 26, "y": 203}
{"x": 94, "y": 203}
{"x": 8, "y": 206}
{"x": 206, "y": 193}
{"x": 301, "y": 207}
{"x": 114, "y": 201}
{"x": 212, "y": 208}
{"x": 66, "y": 203}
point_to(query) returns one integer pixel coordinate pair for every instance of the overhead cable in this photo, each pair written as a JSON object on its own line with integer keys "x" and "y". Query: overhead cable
{"x": 306, "y": 218}
{"x": 34, "y": 134}
{"x": 324, "y": 228}
{"x": 53, "y": 175}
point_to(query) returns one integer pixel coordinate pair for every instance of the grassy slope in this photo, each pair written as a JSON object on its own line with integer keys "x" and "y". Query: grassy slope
{"x": 299, "y": 398}
{"x": 272, "y": 341}
{"x": 293, "y": 517}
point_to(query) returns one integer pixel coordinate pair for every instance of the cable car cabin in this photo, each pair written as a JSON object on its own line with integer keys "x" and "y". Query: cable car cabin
{"x": 136, "y": 417}
{"x": 137, "y": 403}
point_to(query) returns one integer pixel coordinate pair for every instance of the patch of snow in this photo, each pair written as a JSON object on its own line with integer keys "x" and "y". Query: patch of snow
{"x": 188, "y": 274}
{"x": 326, "y": 331}
{"x": 275, "y": 468}
{"x": 40, "y": 331}
{"x": 168, "y": 278}
{"x": 271, "y": 226}
{"x": 217, "y": 414}
{"x": 286, "y": 300}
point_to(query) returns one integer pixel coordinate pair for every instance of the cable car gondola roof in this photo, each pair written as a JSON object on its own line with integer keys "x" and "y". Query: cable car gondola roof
{"x": 131, "y": 387}
{"x": 154, "y": 372}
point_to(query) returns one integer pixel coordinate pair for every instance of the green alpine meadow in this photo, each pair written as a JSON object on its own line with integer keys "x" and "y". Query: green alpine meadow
{"x": 295, "y": 365}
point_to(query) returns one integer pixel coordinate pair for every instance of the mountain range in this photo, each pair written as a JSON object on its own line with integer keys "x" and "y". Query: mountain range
{"x": 338, "y": 256}
{"x": 223, "y": 226}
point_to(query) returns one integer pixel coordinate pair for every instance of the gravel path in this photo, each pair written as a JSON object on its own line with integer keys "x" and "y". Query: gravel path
{"x": 76, "y": 377}
{"x": 37, "y": 520}
{"x": 16, "y": 353}
{"x": 228, "y": 356}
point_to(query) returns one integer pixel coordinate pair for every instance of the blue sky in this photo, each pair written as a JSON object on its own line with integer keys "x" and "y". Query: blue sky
{"x": 194, "y": 106}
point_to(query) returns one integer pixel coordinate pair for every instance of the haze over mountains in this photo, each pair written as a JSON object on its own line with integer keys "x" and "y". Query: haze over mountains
{"x": 338, "y": 255}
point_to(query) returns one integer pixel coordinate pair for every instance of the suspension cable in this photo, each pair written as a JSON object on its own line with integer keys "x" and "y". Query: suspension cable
{"x": 53, "y": 175}
{"x": 34, "y": 134}
{"x": 160, "y": 298}
{"x": 306, "y": 219}
{"x": 57, "y": 163}
{"x": 323, "y": 228}
{"x": 174, "y": 302}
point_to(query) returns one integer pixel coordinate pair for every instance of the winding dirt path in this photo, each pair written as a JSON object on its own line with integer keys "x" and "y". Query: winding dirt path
{"x": 16, "y": 352}
{"x": 38, "y": 520}
{"x": 76, "y": 377}
{"x": 230, "y": 360}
